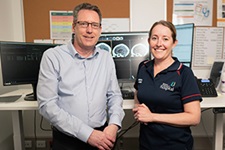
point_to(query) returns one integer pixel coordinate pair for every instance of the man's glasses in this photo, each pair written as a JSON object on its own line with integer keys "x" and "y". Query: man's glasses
{"x": 85, "y": 24}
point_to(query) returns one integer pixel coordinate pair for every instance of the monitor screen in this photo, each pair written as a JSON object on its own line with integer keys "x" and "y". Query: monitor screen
{"x": 184, "y": 48}
{"x": 20, "y": 63}
{"x": 128, "y": 49}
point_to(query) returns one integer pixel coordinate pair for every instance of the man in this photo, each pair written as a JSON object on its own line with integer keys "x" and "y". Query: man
{"x": 78, "y": 90}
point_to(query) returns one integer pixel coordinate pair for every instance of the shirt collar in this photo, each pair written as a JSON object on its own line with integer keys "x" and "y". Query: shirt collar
{"x": 74, "y": 52}
{"x": 174, "y": 67}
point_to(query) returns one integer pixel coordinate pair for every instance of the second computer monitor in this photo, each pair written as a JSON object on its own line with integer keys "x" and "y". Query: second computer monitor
{"x": 184, "y": 48}
{"x": 20, "y": 63}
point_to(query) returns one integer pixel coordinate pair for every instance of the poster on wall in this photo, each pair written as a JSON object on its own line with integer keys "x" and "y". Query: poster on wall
{"x": 198, "y": 12}
{"x": 221, "y": 13}
{"x": 61, "y": 24}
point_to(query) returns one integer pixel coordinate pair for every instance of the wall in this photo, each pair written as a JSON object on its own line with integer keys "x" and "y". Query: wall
{"x": 11, "y": 16}
{"x": 143, "y": 14}
{"x": 11, "y": 30}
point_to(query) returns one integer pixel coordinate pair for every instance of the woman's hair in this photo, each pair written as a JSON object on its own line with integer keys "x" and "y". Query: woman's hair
{"x": 166, "y": 24}
{"x": 86, "y": 6}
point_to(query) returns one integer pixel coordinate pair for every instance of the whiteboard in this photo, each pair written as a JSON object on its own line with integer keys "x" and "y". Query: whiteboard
{"x": 208, "y": 45}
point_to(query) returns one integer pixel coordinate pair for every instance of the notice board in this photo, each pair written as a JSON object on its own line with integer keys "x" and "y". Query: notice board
{"x": 36, "y": 13}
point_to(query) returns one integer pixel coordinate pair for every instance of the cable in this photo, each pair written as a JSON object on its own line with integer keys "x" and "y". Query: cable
{"x": 41, "y": 127}
{"x": 206, "y": 109}
{"x": 122, "y": 132}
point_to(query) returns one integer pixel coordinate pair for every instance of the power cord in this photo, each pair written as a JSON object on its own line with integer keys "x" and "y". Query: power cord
{"x": 122, "y": 132}
{"x": 41, "y": 125}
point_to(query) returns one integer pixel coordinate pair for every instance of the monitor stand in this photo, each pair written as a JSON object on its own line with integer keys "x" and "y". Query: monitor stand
{"x": 32, "y": 96}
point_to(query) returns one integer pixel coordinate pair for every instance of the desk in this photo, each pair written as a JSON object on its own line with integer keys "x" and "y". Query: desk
{"x": 17, "y": 119}
{"x": 18, "y": 106}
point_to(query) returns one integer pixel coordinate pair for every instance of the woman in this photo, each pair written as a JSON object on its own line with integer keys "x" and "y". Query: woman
{"x": 167, "y": 98}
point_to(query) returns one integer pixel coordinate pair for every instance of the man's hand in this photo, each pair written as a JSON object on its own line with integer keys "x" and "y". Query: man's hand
{"x": 111, "y": 132}
{"x": 99, "y": 139}
{"x": 104, "y": 140}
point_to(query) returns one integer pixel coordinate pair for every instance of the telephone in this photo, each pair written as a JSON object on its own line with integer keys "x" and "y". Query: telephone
{"x": 207, "y": 87}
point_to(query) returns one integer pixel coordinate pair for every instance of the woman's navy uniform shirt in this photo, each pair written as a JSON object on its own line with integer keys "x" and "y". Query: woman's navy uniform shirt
{"x": 167, "y": 92}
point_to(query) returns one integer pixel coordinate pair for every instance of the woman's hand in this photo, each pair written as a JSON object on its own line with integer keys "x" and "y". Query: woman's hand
{"x": 142, "y": 113}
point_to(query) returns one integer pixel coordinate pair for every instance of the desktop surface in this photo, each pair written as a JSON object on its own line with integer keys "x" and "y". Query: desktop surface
{"x": 21, "y": 104}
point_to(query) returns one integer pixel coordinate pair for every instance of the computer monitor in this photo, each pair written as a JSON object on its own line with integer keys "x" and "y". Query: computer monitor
{"x": 128, "y": 49}
{"x": 20, "y": 63}
{"x": 184, "y": 48}
{"x": 216, "y": 71}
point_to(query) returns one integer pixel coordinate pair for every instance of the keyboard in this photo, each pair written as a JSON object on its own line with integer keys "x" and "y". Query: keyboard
{"x": 11, "y": 98}
{"x": 127, "y": 94}
{"x": 207, "y": 88}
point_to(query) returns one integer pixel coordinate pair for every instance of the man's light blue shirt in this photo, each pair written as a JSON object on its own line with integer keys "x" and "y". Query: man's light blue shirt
{"x": 75, "y": 93}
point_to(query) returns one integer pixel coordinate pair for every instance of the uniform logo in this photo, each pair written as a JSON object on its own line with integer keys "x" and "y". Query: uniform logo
{"x": 140, "y": 81}
{"x": 168, "y": 87}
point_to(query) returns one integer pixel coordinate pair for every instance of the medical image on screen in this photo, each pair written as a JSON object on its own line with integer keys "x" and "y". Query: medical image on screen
{"x": 128, "y": 49}
{"x": 106, "y": 45}
{"x": 120, "y": 50}
{"x": 139, "y": 50}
